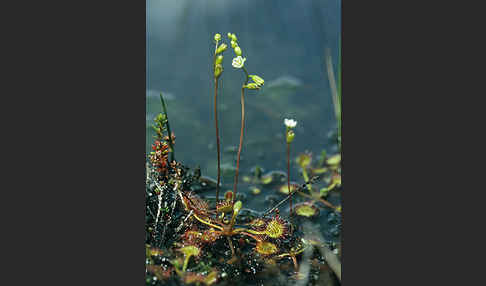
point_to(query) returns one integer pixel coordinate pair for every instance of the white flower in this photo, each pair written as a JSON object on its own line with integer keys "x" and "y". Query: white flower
{"x": 238, "y": 62}
{"x": 290, "y": 123}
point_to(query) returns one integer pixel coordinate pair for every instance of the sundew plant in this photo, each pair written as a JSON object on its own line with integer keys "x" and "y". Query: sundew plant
{"x": 197, "y": 236}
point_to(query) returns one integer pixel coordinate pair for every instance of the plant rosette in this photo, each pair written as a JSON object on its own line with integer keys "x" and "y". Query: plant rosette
{"x": 307, "y": 210}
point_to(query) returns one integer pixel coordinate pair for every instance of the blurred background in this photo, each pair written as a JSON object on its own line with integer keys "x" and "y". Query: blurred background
{"x": 285, "y": 43}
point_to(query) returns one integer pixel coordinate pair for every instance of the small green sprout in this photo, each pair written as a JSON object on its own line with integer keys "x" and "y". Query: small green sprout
{"x": 188, "y": 252}
{"x": 334, "y": 160}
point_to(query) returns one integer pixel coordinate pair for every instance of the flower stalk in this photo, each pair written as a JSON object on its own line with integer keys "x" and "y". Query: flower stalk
{"x": 289, "y": 137}
{"x": 217, "y": 70}
{"x": 241, "y": 134}
{"x": 239, "y": 63}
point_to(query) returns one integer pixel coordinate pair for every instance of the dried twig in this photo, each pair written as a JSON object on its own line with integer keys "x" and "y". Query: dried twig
{"x": 311, "y": 181}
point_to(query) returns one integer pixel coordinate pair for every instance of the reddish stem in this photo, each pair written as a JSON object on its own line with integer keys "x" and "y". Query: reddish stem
{"x": 241, "y": 142}
{"x": 294, "y": 260}
{"x": 288, "y": 176}
{"x": 251, "y": 235}
{"x": 217, "y": 136}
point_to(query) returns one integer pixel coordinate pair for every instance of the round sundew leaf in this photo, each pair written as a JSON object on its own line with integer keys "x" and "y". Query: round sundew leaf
{"x": 267, "y": 179}
{"x": 266, "y": 248}
{"x": 319, "y": 171}
{"x": 284, "y": 189}
{"x": 275, "y": 228}
{"x": 255, "y": 190}
{"x": 190, "y": 250}
{"x": 257, "y": 222}
{"x": 334, "y": 160}
{"x": 306, "y": 210}
{"x": 304, "y": 160}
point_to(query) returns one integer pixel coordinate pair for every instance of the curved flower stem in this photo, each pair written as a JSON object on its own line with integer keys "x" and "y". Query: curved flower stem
{"x": 241, "y": 133}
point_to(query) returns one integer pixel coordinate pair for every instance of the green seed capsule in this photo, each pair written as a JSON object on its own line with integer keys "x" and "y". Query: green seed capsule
{"x": 221, "y": 48}
{"x": 238, "y": 51}
{"x": 218, "y": 69}
{"x": 219, "y": 60}
{"x": 290, "y": 136}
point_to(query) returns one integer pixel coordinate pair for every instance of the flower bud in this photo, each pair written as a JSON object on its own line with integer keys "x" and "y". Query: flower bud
{"x": 290, "y": 136}
{"x": 237, "y": 207}
{"x": 238, "y": 51}
{"x": 233, "y": 37}
{"x": 218, "y": 69}
{"x": 219, "y": 60}
{"x": 217, "y": 37}
{"x": 228, "y": 196}
{"x": 221, "y": 48}
{"x": 233, "y": 44}
{"x": 258, "y": 80}
{"x": 252, "y": 86}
